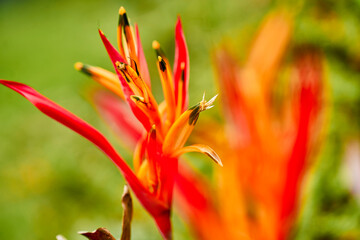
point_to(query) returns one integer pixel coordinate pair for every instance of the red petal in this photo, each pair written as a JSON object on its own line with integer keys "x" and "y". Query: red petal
{"x": 181, "y": 55}
{"x": 196, "y": 205}
{"x": 144, "y": 71}
{"x": 231, "y": 98}
{"x": 164, "y": 225}
{"x": 118, "y": 116}
{"x": 115, "y": 57}
{"x": 49, "y": 108}
{"x": 310, "y": 75}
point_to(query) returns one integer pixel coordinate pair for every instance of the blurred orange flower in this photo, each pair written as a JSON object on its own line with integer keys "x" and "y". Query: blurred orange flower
{"x": 270, "y": 139}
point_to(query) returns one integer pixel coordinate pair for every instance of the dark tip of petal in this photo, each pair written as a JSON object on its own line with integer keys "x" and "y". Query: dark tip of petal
{"x": 195, "y": 106}
{"x": 136, "y": 67}
{"x": 123, "y": 19}
{"x": 162, "y": 64}
{"x": 194, "y": 115}
{"x": 126, "y": 20}
{"x": 83, "y": 68}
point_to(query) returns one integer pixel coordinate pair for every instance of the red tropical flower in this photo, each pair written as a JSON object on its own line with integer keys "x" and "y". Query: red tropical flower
{"x": 165, "y": 126}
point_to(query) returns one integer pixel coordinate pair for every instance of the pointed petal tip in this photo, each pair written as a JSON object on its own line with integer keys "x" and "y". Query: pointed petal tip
{"x": 101, "y": 32}
{"x": 212, "y": 100}
{"x": 178, "y": 19}
{"x": 220, "y": 163}
{"x": 122, "y": 10}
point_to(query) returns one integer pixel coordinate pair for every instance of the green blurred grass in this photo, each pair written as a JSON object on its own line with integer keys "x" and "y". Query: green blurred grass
{"x": 53, "y": 181}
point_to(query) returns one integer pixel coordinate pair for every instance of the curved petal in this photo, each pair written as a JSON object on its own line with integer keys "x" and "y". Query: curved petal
{"x": 201, "y": 148}
{"x": 181, "y": 57}
{"x": 49, "y": 108}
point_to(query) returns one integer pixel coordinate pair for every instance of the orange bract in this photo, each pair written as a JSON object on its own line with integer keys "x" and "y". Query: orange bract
{"x": 267, "y": 153}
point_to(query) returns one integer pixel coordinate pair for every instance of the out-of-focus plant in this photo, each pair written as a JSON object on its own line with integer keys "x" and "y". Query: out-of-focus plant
{"x": 273, "y": 125}
{"x": 164, "y": 128}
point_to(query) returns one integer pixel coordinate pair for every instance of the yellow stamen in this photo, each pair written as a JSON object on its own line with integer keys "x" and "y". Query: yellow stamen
{"x": 102, "y": 76}
{"x": 121, "y": 67}
{"x": 168, "y": 90}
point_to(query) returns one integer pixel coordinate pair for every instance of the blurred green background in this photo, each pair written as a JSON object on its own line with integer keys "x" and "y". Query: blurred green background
{"x": 54, "y": 182}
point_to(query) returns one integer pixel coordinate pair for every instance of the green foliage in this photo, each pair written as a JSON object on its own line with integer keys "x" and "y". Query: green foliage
{"x": 54, "y": 182}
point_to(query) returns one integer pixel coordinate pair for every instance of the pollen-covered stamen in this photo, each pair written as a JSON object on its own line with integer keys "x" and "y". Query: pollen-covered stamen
{"x": 135, "y": 82}
{"x": 102, "y": 76}
{"x": 168, "y": 89}
{"x": 143, "y": 97}
{"x": 129, "y": 35}
{"x": 183, "y": 126}
{"x": 204, "y": 105}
